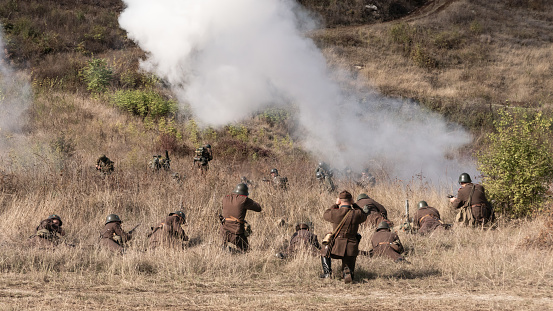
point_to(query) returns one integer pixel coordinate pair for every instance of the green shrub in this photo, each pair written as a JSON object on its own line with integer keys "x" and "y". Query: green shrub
{"x": 97, "y": 75}
{"x": 403, "y": 34}
{"x": 144, "y": 103}
{"x": 517, "y": 165}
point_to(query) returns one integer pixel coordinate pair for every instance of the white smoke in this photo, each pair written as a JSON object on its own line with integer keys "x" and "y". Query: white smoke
{"x": 228, "y": 59}
{"x": 15, "y": 97}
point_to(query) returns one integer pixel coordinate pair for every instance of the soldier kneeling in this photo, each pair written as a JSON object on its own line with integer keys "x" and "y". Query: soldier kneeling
{"x": 386, "y": 243}
{"x": 302, "y": 239}
{"x": 113, "y": 237}
{"x": 169, "y": 232}
{"x": 48, "y": 232}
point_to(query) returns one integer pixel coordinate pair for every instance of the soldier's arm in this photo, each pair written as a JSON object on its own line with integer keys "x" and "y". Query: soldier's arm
{"x": 252, "y": 205}
{"x": 329, "y": 213}
{"x": 124, "y": 235}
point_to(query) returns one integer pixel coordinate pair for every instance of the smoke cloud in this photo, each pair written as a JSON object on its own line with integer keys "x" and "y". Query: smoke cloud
{"x": 228, "y": 59}
{"x": 15, "y": 97}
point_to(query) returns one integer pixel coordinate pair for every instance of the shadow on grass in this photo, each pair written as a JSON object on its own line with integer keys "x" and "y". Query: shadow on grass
{"x": 402, "y": 273}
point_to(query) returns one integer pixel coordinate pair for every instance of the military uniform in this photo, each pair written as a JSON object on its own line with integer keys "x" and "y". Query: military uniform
{"x": 202, "y": 157}
{"x": 303, "y": 238}
{"x": 386, "y": 244}
{"x": 324, "y": 175}
{"x": 346, "y": 242}
{"x": 169, "y": 232}
{"x": 480, "y": 207}
{"x": 104, "y": 165}
{"x": 428, "y": 220}
{"x": 47, "y": 233}
{"x": 233, "y": 223}
{"x": 113, "y": 237}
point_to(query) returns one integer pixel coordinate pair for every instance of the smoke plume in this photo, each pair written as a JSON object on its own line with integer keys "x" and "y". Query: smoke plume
{"x": 228, "y": 59}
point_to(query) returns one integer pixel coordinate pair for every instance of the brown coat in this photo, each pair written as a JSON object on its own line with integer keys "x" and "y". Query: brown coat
{"x": 375, "y": 218}
{"x": 481, "y": 208}
{"x": 303, "y": 239}
{"x": 373, "y": 206}
{"x": 47, "y": 234}
{"x": 110, "y": 230}
{"x": 427, "y": 219}
{"x": 386, "y": 243}
{"x": 168, "y": 231}
{"x": 235, "y": 207}
{"x": 346, "y": 242}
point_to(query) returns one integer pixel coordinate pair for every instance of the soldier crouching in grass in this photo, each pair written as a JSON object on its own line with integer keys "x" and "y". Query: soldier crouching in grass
{"x": 377, "y": 212}
{"x": 345, "y": 217}
{"x": 234, "y": 228}
{"x": 427, "y": 219}
{"x": 48, "y": 232}
{"x": 169, "y": 232}
{"x": 474, "y": 208}
{"x": 302, "y": 239}
{"x": 113, "y": 237}
{"x": 386, "y": 243}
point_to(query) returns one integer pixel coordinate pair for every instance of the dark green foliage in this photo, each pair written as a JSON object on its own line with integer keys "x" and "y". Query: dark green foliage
{"x": 144, "y": 103}
{"x": 97, "y": 75}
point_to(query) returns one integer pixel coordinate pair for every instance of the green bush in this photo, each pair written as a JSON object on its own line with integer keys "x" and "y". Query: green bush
{"x": 517, "y": 165}
{"x": 144, "y": 103}
{"x": 97, "y": 75}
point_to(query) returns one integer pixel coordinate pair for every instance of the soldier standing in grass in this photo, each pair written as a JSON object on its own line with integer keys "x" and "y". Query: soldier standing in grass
{"x": 303, "y": 238}
{"x": 324, "y": 174}
{"x": 113, "y": 237}
{"x": 104, "y": 164}
{"x": 386, "y": 243}
{"x": 428, "y": 219}
{"x": 48, "y": 232}
{"x": 169, "y": 232}
{"x": 202, "y": 157}
{"x": 234, "y": 228}
{"x": 277, "y": 181}
{"x": 345, "y": 217}
{"x": 377, "y": 212}
{"x": 474, "y": 208}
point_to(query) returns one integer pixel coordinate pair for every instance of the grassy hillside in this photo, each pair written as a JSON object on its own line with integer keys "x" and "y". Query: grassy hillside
{"x": 455, "y": 57}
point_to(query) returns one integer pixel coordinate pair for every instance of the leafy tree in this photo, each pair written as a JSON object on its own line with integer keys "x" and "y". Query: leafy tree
{"x": 97, "y": 75}
{"x": 517, "y": 165}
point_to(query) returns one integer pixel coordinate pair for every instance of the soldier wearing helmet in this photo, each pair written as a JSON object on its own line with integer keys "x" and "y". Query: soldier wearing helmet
{"x": 202, "y": 157}
{"x": 377, "y": 212}
{"x": 277, "y": 181}
{"x": 302, "y": 239}
{"x": 345, "y": 216}
{"x": 386, "y": 243}
{"x": 474, "y": 208}
{"x": 324, "y": 174}
{"x": 427, "y": 218}
{"x": 104, "y": 164}
{"x": 113, "y": 237}
{"x": 234, "y": 228}
{"x": 48, "y": 232}
{"x": 169, "y": 232}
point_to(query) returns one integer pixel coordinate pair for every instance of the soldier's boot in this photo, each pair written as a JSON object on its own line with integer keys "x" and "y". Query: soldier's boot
{"x": 348, "y": 276}
{"x": 327, "y": 267}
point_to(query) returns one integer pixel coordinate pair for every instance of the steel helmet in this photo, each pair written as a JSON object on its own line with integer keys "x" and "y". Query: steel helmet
{"x": 207, "y": 146}
{"x": 241, "y": 189}
{"x": 383, "y": 225}
{"x": 422, "y": 204}
{"x": 54, "y": 216}
{"x": 302, "y": 226}
{"x": 179, "y": 213}
{"x": 274, "y": 170}
{"x": 464, "y": 178}
{"x": 112, "y": 218}
{"x": 362, "y": 196}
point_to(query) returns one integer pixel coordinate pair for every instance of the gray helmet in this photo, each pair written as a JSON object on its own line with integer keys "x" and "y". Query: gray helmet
{"x": 274, "y": 170}
{"x": 241, "y": 189}
{"x": 207, "y": 146}
{"x": 180, "y": 214}
{"x": 422, "y": 204}
{"x": 302, "y": 226}
{"x": 112, "y": 218}
{"x": 383, "y": 225}
{"x": 318, "y": 175}
{"x": 362, "y": 196}
{"x": 464, "y": 178}
{"x": 54, "y": 216}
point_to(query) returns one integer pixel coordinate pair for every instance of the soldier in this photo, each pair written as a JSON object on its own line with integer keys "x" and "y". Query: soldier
{"x": 367, "y": 179}
{"x": 475, "y": 210}
{"x": 277, "y": 181}
{"x": 324, "y": 175}
{"x": 386, "y": 243}
{"x": 345, "y": 217}
{"x": 104, "y": 164}
{"x": 48, "y": 232}
{"x": 159, "y": 162}
{"x": 170, "y": 231}
{"x": 113, "y": 237}
{"x": 303, "y": 238}
{"x": 377, "y": 212}
{"x": 202, "y": 157}
{"x": 234, "y": 228}
{"x": 428, "y": 219}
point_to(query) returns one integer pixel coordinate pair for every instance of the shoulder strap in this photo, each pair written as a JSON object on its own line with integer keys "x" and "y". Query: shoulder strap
{"x": 341, "y": 224}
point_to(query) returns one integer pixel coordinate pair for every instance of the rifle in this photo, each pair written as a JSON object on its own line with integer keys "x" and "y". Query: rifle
{"x": 132, "y": 230}
{"x": 407, "y": 225}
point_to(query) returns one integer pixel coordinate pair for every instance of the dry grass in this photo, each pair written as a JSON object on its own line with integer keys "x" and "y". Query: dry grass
{"x": 461, "y": 269}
